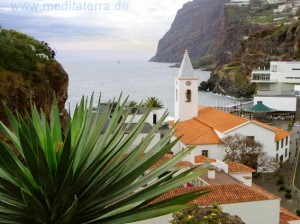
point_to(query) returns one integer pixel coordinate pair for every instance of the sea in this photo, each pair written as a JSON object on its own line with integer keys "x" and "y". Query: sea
{"x": 138, "y": 80}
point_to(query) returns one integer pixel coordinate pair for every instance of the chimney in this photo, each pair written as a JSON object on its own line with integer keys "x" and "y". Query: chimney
{"x": 212, "y": 173}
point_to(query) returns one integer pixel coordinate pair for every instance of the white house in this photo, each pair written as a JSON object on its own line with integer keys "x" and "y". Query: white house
{"x": 236, "y": 195}
{"x": 277, "y": 86}
{"x": 204, "y": 127}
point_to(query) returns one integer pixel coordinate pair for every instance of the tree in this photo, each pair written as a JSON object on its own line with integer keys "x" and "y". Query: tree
{"x": 207, "y": 215}
{"x": 245, "y": 150}
{"x": 153, "y": 102}
{"x": 81, "y": 174}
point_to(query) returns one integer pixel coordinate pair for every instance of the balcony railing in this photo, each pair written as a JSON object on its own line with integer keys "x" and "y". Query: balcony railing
{"x": 275, "y": 93}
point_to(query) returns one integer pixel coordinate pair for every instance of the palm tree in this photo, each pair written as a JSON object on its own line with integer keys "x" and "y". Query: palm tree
{"x": 153, "y": 102}
{"x": 83, "y": 176}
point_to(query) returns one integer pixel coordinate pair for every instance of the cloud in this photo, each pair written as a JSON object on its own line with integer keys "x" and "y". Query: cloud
{"x": 124, "y": 25}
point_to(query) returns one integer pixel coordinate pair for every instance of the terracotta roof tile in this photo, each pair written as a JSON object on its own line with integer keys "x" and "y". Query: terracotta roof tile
{"x": 218, "y": 119}
{"x": 234, "y": 167}
{"x": 201, "y": 129}
{"x": 286, "y": 216}
{"x": 166, "y": 157}
{"x": 203, "y": 159}
{"x": 220, "y": 194}
{"x": 194, "y": 132}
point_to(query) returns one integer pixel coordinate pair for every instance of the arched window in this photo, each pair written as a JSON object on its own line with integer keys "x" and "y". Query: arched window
{"x": 188, "y": 95}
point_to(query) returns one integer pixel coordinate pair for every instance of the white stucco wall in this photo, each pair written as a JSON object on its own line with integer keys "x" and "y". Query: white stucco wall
{"x": 185, "y": 110}
{"x": 261, "y": 134}
{"x": 214, "y": 151}
{"x": 259, "y": 212}
{"x": 241, "y": 177}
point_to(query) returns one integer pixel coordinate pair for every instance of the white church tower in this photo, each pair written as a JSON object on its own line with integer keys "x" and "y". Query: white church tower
{"x": 186, "y": 91}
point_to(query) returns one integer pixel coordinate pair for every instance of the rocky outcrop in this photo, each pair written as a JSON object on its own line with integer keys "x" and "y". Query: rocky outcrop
{"x": 37, "y": 80}
{"x": 194, "y": 28}
{"x": 274, "y": 43}
{"x": 233, "y": 28}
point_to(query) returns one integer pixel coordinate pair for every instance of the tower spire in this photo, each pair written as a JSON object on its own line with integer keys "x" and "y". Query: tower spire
{"x": 186, "y": 68}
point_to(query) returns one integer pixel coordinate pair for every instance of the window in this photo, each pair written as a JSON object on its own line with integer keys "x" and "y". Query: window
{"x": 188, "y": 95}
{"x": 277, "y": 146}
{"x": 276, "y": 158}
{"x": 162, "y": 136}
{"x": 205, "y": 153}
{"x": 250, "y": 141}
{"x": 286, "y": 152}
{"x": 154, "y": 118}
{"x": 286, "y": 140}
{"x": 282, "y": 143}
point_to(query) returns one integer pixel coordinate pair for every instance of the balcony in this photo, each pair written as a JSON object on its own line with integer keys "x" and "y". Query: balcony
{"x": 262, "y": 77}
{"x": 275, "y": 93}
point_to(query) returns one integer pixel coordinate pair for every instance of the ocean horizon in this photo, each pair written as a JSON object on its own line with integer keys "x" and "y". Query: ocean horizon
{"x": 136, "y": 79}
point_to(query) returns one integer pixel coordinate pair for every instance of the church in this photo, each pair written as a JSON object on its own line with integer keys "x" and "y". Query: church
{"x": 204, "y": 127}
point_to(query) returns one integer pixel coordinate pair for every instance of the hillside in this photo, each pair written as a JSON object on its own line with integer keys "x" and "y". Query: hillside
{"x": 29, "y": 72}
{"x": 274, "y": 43}
{"x": 212, "y": 29}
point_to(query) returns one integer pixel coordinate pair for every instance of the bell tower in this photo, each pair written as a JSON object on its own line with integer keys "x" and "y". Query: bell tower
{"x": 186, "y": 91}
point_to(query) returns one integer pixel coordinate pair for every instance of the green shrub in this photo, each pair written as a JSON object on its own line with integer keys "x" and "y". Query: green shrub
{"x": 282, "y": 187}
{"x": 288, "y": 195}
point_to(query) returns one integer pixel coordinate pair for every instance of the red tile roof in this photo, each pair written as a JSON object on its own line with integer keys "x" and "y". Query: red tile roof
{"x": 166, "y": 157}
{"x": 201, "y": 129}
{"x": 221, "y": 194}
{"x": 203, "y": 159}
{"x": 234, "y": 167}
{"x": 219, "y": 119}
{"x": 194, "y": 132}
{"x": 286, "y": 216}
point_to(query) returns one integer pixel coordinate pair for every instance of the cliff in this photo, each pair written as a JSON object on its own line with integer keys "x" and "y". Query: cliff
{"x": 274, "y": 43}
{"x": 29, "y": 73}
{"x": 194, "y": 28}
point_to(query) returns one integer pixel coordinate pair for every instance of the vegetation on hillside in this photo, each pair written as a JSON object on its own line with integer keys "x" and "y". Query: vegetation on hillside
{"x": 29, "y": 73}
{"x": 87, "y": 174}
{"x": 18, "y": 52}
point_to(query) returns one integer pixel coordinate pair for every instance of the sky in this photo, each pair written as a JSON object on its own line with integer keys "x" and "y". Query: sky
{"x": 100, "y": 29}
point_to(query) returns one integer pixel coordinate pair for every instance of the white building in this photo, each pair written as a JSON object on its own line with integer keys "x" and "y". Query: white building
{"x": 276, "y": 86}
{"x": 231, "y": 188}
{"x": 204, "y": 127}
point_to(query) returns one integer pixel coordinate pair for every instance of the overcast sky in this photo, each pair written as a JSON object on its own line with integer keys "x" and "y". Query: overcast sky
{"x": 102, "y": 29}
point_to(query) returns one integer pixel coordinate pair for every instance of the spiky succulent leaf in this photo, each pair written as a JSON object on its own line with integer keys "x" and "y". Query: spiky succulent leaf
{"x": 90, "y": 172}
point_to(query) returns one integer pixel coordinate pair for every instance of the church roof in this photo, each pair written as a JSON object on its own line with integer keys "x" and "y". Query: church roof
{"x": 186, "y": 68}
{"x": 219, "y": 119}
{"x": 194, "y": 132}
{"x": 201, "y": 130}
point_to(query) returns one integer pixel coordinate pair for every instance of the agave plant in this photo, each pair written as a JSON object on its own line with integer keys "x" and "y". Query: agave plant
{"x": 83, "y": 175}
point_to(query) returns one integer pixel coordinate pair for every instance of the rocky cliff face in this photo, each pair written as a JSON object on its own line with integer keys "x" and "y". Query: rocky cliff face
{"x": 233, "y": 27}
{"x": 274, "y": 43}
{"x": 26, "y": 77}
{"x": 194, "y": 28}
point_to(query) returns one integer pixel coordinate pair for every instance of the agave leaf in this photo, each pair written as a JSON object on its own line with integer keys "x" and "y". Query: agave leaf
{"x": 45, "y": 178}
{"x": 55, "y": 122}
{"x": 35, "y": 208}
{"x": 137, "y": 216}
{"x": 67, "y": 217}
